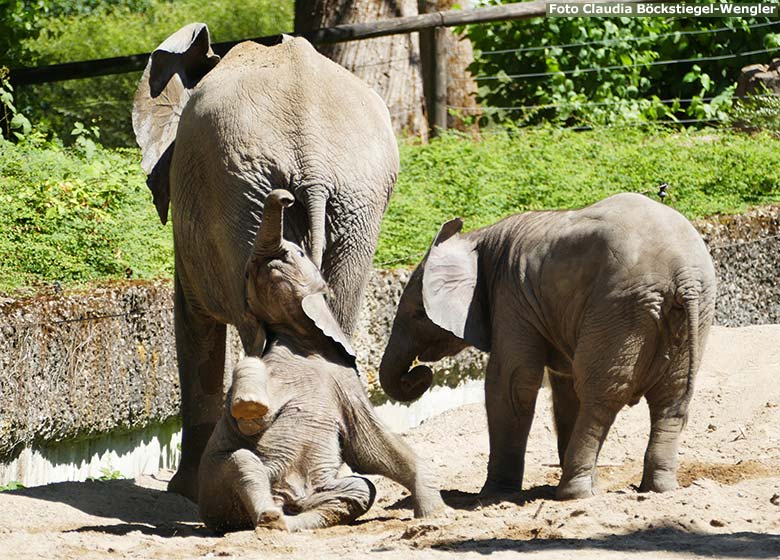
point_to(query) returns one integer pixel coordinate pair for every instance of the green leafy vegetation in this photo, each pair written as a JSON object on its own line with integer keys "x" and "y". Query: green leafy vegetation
{"x": 634, "y": 81}
{"x": 13, "y": 485}
{"x": 757, "y": 112}
{"x": 107, "y": 473}
{"x": 13, "y": 124}
{"x": 92, "y": 29}
{"x": 84, "y": 213}
{"x": 76, "y": 214}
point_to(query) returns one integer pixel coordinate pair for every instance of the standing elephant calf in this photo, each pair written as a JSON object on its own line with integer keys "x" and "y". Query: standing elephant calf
{"x": 615, "y": 299}
{"x": 294, "y": 416}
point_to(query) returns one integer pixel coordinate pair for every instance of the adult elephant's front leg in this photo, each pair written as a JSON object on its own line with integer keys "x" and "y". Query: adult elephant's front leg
{"x": 511, "y": 389}
{"x": 338, "y": 501}
{"x": 200, "y": 351}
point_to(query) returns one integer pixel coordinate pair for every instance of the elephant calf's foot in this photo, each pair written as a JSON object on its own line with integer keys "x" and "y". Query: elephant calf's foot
{"x": 659, "y": 481}
{"x": 430, "y": 504}
{"x": 271, "y": 519}
{"x": 185, "y": 483}
{"x": 576, "y": 488}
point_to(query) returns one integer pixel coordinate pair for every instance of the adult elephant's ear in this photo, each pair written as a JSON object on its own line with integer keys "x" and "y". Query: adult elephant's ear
{"x": 452, "y": 294}
{"x": 174, "y": 68}
{"x": 317, "y": 309}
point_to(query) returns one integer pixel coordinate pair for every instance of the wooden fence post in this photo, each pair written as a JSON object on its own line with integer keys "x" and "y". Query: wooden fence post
{"x": 440, "y": 79}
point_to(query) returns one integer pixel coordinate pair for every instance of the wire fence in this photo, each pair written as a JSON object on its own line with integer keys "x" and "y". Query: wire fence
{"x": 619, "y": 40}
{"x": 576, "y": 71}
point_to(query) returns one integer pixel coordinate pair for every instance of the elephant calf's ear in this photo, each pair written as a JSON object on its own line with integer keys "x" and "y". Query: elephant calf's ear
{"x": 449, "y": 288}
{"x": 174, "y": 68}
{"x": 316, "y": 308}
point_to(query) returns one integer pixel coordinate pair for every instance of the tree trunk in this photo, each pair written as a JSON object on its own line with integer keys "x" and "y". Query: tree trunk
{"x": 461, "y": 87}
{"x": 390, "y": 65}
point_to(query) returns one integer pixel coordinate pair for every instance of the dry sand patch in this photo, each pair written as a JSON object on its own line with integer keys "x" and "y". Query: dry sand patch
{"x": 728, "y": 505}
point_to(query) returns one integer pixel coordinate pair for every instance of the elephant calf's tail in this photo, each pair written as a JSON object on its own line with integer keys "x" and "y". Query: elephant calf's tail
{"x": 690, "y": 302}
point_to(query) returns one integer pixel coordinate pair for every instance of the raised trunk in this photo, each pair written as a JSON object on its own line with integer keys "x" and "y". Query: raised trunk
{"x": 397, "y": 380}
{"x": 390, "y": 65}
{"x": 269, "y": 238}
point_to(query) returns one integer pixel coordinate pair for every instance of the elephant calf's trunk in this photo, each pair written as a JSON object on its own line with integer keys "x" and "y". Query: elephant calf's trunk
{"x": 398, "y": 381}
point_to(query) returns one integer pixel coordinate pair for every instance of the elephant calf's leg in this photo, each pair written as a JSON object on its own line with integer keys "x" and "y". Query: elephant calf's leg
{"x": 240, "y": 476}
{"x": 340, "y": 501}
{"x": 668, "y": 413}
{"x": 372, "y": 449}
{"x": 579, "y": 467}
{"x": 566, "y": 406}
{"x": 510, "y": 399}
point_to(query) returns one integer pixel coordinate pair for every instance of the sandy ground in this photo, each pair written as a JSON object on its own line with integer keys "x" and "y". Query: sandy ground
{"x": 728, "y": 505}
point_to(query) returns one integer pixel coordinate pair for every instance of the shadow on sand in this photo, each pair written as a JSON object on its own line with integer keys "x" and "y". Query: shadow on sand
{"x": 148, "y": 510}
{"x": 658, "y": 540}
{"x": 470, "y": 501}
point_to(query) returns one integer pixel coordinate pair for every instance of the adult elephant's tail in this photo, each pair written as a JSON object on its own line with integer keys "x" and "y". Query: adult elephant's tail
{"x": 316, "y": 200}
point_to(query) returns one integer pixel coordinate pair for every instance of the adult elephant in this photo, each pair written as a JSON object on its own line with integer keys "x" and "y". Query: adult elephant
{"x": 216, "y": 137}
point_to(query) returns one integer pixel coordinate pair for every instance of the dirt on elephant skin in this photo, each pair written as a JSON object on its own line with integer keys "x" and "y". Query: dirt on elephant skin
{"x": 728, "y": 503}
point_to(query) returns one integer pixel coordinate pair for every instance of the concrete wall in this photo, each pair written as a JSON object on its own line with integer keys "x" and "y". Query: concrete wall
{"x": 77, "y": 367}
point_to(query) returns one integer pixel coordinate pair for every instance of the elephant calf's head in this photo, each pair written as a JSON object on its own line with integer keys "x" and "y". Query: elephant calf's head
{"x": 284, "y": 288}
{"x": 441, "y": 312}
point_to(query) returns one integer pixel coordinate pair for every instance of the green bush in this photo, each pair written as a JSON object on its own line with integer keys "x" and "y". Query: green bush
{"x": 634, "y": 84}
{"x": 100, "y": 30}
{"x": 76, "y": 214}
{"x": 84, "y": 213}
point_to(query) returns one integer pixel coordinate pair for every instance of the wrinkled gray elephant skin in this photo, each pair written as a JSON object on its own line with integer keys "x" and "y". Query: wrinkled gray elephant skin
{"x": 296, "y": 414}
{"x": 615, "y": 300}
{"x": 216, "y": 137}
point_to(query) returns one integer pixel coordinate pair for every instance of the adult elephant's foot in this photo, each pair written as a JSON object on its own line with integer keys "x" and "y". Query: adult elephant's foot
{"x": 498, "y": 487}
{"x": 185, "y": 483}
{"x": 576, "y": 488}
{"x": 193, "y": 442}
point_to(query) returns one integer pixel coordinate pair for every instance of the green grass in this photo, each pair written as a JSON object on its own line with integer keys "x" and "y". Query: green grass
{"x": 84, "y": 213}
{"x": 533, "y": 169}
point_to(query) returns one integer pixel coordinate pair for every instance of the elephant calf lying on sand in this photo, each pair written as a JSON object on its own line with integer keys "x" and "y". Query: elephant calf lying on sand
{"x": 616, "y": 300}
{"x": 294, "y": 416}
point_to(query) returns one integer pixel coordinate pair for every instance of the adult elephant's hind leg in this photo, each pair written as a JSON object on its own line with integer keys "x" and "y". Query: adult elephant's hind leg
{"x": 339, "y": 501}
{"x": 200, "y": 351}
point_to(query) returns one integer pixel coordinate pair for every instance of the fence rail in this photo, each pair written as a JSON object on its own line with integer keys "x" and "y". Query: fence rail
{"x": 336, "y": 34}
